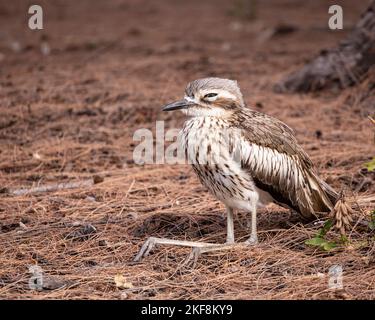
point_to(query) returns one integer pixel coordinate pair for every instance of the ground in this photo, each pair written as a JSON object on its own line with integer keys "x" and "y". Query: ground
{"x": 73, "y": 202}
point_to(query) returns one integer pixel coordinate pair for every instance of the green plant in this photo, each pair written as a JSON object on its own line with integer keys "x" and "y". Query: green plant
{"x": 370, "y": 165}
{"x": 319, "y": 241}
{"x": 372, "y": 221}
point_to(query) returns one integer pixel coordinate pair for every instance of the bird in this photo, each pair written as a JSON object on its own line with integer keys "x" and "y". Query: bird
{"x": 245, "y": 158}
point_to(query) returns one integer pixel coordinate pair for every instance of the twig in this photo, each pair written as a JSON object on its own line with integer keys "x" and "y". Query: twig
{"x": 53, "y": 187}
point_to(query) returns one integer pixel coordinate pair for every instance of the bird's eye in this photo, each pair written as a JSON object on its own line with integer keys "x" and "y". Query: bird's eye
{"x": 210, "y": 96}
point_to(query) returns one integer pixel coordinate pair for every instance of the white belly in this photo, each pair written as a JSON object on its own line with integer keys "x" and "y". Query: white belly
{"x": 209, "y": 154}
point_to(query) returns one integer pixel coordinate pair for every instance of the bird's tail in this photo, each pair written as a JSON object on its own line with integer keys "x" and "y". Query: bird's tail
{"x": 326, "y": 202}
{"x": 323, "y": 196}
{"x": 332, "y": 195}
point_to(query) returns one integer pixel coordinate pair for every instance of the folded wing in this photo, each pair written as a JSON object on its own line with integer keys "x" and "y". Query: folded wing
{"x": 279, "y": 166}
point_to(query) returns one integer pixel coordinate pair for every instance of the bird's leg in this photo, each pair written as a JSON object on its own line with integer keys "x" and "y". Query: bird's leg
{"x": 197, "y": 251}
{"x": 253, "y": 236}
{"x": 230, "y": 226}
{"x": 198, "y": 247}
{"x": 248, "y": 223}
{"x": 152, "y": 241}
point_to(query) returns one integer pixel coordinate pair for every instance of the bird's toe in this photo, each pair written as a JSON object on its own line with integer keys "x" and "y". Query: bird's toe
{"x": 253, "y": 240}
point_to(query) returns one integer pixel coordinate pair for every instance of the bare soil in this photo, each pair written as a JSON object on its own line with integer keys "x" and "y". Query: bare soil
{"x": 73, "y": 94}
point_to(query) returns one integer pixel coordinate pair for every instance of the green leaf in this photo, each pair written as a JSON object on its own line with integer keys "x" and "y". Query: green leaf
{"x": 370, "y": 165}
{"x": 328, "y": 246}
{"x": 344, "y": 239}
{"x": 321, "y": 243}
{"x": 319, "y": 240}
{"x": 372, "y": 222}
{"x": 316, "y": 241}
{"x": 327, "y": 225}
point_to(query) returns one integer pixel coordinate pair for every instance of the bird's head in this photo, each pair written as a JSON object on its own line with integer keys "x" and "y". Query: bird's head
{"x": 209, "y": 97}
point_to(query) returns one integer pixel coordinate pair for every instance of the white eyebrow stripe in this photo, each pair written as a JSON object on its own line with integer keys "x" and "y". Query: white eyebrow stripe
{"x": 226, "y": 94}
{"x": 221, "y": 93}
{"x": 189, "y": 99}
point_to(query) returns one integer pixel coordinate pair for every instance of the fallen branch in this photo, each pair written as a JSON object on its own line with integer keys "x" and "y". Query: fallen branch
{"x": 53, "y": 187}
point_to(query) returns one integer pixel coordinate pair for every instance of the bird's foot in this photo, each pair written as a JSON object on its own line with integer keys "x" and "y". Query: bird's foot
{"x": 192, "y": 258}
{"x": 197, "y": 248}
{"x": 145, "y": 249}
{"x": 253, "y": 240}
{"x": 230, "y": 240}
{"x": 152, "y": 242}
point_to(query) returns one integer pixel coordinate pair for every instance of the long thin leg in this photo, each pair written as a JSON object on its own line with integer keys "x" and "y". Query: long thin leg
{"x": 199, "y": 247}
{"x": 248, "y": 224}
{"x": 230, "y": 226}
{"x": 202, "y": 246}
{"x": 253, "y": 236}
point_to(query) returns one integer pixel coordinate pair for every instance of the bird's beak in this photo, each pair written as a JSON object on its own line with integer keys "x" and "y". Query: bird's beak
{"x": 181, "y": 104}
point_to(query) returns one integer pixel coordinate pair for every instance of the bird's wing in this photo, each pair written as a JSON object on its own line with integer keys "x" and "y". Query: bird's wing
{"x": 278, "y": 165}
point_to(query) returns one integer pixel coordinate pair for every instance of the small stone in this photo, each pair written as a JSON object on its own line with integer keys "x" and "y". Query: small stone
{"x": 318, "y": 134}
{"x": 82, "y": 234}
{"x": 97, "y": 179}
{"x": 103, "y": 243}
{"x": 4, "y": 190}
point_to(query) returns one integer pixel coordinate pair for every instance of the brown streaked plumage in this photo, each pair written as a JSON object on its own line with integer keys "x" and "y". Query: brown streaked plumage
{"x": 245, "y": 158}
{"x": 308, "y": 197}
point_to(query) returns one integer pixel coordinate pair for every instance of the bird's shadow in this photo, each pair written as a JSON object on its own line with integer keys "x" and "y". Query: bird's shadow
{"x": 212, "y": 226}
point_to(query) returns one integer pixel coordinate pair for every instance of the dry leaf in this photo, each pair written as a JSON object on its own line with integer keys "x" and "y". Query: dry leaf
{"x": 121, "y": 282}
